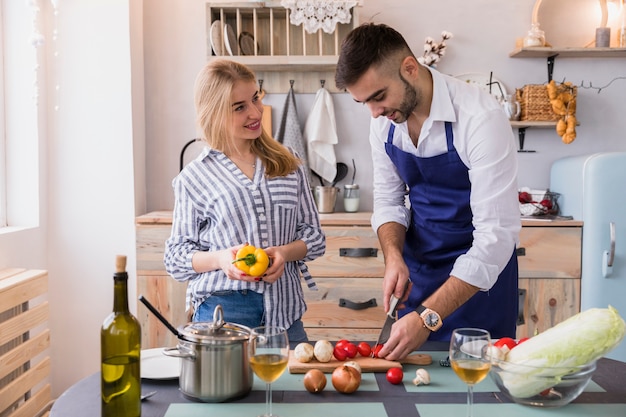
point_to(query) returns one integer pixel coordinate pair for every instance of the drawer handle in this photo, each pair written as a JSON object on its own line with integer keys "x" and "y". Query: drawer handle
{"x": 357, "y": 306}
{"x": 520, "y": 308}
{"x": 520, "y": 251}
{"x": 358, "y": 252}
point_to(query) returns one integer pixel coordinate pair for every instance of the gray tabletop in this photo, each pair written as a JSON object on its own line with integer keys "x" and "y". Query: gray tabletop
{"x": 83, "y": 398}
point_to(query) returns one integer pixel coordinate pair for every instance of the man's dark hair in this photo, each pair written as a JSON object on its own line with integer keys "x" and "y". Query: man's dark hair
{"x": 366, "y": 46}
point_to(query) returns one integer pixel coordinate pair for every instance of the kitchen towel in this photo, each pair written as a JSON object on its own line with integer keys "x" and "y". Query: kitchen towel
{"x": 289, "y": 132}
{"x": 320, "y": 133}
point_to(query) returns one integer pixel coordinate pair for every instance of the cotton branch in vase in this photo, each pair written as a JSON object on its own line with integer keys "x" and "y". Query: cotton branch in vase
{"x": 433, "y": 52}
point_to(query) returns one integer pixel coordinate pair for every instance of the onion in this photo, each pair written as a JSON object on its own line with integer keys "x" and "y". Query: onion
{"x": 323, "y": 350}
{"x": 314, "y": 381}
{"x": 346, "y": 379}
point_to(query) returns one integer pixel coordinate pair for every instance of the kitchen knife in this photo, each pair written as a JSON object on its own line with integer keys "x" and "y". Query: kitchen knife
{"x": 390, "y": 319}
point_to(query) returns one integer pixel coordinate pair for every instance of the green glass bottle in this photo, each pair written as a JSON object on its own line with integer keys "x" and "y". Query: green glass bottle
{"x": 120, "y": 346}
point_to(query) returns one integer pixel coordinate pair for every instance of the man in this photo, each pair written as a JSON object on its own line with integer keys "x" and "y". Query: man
{"x": 451, "y": 146}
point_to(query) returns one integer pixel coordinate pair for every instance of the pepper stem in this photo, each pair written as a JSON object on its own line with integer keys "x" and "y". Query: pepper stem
{"x": 249, "y": 259}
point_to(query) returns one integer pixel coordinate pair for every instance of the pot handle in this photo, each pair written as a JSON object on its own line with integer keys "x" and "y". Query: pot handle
{"x": 179, "y": 352}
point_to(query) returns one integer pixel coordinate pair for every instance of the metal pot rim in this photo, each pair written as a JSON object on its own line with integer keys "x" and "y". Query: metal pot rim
{"x": 205, "y": 333}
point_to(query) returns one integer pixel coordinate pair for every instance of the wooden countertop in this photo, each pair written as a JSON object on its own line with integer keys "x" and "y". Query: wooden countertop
{"x": 164, "y": 217}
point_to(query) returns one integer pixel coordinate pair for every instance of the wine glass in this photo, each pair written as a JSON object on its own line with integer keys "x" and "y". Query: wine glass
{"x": 467, "y": 358}
{"x": 268, "y": 349}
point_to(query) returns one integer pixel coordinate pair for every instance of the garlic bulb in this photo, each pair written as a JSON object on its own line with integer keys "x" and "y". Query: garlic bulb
{"x": 323, "y": 350}
{"x": 303, "y": 352}
{"x": 421, "y": 377}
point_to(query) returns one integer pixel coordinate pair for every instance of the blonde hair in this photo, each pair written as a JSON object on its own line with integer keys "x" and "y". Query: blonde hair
{"x": 212, "y": 97}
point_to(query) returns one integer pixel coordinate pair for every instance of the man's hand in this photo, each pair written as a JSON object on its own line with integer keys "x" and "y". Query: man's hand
{"x": 407, "y": 335}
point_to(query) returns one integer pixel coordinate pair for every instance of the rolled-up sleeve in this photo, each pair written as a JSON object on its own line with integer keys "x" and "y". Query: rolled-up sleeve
{"x": 183, "y": 240}
{"x": 492, "y": 162}
{"x": 309, "y": 228}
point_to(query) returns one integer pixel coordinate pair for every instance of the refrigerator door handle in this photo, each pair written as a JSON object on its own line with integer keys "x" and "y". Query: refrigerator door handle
{"x": 609, "y": 256}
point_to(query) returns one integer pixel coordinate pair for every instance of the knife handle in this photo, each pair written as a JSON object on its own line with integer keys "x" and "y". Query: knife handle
{"x": 393, "y": 301}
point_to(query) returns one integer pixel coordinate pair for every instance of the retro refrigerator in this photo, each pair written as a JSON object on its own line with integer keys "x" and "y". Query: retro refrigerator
{"x": 593, "y": 189}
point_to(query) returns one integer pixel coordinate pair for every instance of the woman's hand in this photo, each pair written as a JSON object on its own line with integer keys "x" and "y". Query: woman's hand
{"x": 277, "y": 264}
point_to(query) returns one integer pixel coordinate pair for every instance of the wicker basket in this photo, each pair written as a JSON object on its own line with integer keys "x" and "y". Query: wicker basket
{"x": 534, "y": 104}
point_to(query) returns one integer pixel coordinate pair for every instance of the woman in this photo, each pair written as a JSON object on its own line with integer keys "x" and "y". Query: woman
{"x": 245, "y": 187}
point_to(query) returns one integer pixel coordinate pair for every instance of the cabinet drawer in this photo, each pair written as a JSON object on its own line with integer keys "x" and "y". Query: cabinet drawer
{"x": 151, "y": 245}
{"x": 336, "y": 262}
{"x": 550, "y": 252}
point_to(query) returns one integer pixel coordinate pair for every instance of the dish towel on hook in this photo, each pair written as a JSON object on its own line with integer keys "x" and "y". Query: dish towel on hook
{"x": 289, "y": 132}
{"x": 320, "y": 133}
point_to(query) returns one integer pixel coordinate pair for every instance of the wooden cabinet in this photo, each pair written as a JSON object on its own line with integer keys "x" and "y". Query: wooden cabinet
{"x": 162, "y": 291}
{"x": 351, "y": 271}
{"x": 549, "y": 258}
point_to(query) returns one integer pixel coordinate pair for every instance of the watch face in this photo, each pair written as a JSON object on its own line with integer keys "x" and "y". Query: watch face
{"x": 431, "y": 320}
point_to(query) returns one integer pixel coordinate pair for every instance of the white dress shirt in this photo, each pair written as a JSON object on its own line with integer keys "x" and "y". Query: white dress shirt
{"x": 485, "y": 143}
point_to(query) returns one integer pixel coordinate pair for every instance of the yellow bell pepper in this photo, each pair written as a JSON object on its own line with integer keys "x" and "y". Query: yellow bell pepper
{"x": 251, "y": 260}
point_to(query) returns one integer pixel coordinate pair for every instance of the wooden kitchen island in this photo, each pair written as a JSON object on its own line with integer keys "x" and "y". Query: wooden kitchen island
{"x": 349, "y": 277}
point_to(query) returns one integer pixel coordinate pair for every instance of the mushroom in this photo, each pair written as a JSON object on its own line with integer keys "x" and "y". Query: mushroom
{"x": 421, "y": 377}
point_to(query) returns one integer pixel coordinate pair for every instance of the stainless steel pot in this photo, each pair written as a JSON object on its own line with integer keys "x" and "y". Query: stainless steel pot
{"x": 215, "y": 366}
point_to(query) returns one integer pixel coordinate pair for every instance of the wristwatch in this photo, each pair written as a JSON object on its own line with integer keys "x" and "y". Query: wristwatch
{"x": 432, "y": 319}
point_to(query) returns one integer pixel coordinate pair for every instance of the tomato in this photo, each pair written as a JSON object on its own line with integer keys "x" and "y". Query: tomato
{"x": 522, "y": 340}
{"x": 342, "y": 343}
{"x": 376, "y": 349}
{"x": 395, "y": 375}
{"x": 339, "y": 353}
{"x": 364, "y": 349}
{"x": 351, "y": 349}
{"x": 505, "y": 341}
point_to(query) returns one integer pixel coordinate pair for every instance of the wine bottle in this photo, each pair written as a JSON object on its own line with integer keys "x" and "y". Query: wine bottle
{"x": 120, "y": 346}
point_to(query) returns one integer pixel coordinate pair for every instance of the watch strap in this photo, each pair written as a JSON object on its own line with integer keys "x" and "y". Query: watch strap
{"x": 420, "y": 309}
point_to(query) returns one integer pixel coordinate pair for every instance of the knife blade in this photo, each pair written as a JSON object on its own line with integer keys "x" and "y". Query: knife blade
{"x": 391, "y": 317}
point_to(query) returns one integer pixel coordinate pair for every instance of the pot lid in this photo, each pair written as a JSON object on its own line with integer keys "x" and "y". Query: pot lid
{"x": 215, "y": 332}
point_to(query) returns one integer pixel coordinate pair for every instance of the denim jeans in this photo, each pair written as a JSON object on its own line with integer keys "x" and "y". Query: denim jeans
{"x": 244, "y": 307}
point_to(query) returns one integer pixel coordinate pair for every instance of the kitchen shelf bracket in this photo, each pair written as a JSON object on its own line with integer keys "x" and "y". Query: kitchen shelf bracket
{"x": 521, "y": 135}
{"x": 551, "y": 60}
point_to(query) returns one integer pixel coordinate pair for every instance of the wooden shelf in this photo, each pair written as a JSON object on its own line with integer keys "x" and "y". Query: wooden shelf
{"x": 282, "y": 63}
{"x": 528, "y": 123}
{"x": 545, "y": 52}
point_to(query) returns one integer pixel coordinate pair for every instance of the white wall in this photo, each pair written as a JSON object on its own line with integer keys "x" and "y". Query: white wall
{"x": 484, "y": 33}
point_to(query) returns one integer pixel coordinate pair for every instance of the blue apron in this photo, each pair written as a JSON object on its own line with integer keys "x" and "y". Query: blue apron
{"x": 440, "y": 231}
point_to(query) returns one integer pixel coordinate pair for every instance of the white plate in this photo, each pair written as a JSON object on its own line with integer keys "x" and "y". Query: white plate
{"x": 246, "y": 43}
{"x": 156, "y": 365}
{"x": 473, "y": 348}
{"x": 230, "y": 40}
{"x": 215, "y": 36}
{"x": 482, "y": 81}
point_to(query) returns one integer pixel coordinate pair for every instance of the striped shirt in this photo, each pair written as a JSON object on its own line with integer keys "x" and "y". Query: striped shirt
{"x": 217, "y": 207}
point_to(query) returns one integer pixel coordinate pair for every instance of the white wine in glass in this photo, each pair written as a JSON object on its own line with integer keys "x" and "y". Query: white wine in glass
{"x": 268, "y": 349}
{"x": 467, "y": 346}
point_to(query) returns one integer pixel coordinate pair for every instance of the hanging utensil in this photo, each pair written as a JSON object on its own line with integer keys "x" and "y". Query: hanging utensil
{"x": 160, "y": 317}
{"x": 342, "y": 171}
{"x": 319, "y": 177}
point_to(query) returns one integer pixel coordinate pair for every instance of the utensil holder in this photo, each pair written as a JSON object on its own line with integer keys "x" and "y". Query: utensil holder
{"x": 325, "y": 198}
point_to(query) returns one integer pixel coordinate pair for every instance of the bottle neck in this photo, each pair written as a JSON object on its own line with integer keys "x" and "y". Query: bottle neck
{"x": 120, "y": 292}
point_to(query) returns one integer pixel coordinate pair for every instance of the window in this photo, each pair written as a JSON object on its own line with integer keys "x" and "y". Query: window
{"x": 19, "y": 116}
{"x": 3, "y": 170}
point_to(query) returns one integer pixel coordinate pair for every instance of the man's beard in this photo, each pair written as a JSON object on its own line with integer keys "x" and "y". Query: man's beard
{"x": 409, "y": 101}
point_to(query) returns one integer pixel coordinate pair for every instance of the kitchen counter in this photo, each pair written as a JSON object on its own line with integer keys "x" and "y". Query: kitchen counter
{"x": 445, "y": 396}
{"x": 164, "y": 217}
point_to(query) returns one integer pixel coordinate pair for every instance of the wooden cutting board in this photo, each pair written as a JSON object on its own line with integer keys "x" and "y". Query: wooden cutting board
{"x": 367, "y": 364}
